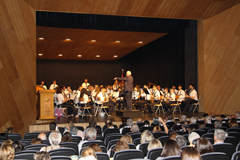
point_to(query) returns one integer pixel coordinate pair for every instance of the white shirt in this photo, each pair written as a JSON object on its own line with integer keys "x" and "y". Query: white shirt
{"x": 116, "y": 95}
{"x": 135, "y": 94}
{"x": 77, "y": 95}
{"x": 60, "y": 98}
{"x": 85, "y": 85}
{"x": 172, "y": 95}
{"x": 99, "y": 99}
{"x": 156, "y": 95}
{"x": 166, "y": 95}
{"x": 181, "y": 94}
{"x": 193, "y": 93}
{"x": 53, "y": 86}
{"x": 115, "y": 88}
{"x": 85, "y": 99}
{"x": 44, "y": 87}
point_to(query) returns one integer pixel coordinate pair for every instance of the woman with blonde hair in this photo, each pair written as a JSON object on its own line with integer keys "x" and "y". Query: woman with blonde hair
{"x": 126, "y": 138}
{"x": 88, "y": 154}
{"x": 7, "y": 152}
{"x": 146, "y": 136}
{"x": 154, "y": 143}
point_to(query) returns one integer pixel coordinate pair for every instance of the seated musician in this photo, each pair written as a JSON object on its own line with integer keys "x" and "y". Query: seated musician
{"x": 43, "y": 86}
{"x": 144, "y": 98}
{"x": 160, "y": 90}
{"x": 165, "y": 99}
{"x": 115, "y": 86}
{"x": 54, "y": 85}
{"x": 135, "y": 96}
{"x": 84, "y": 100}
{"x": 119, "y": 100}
{"x": 155, "y": 96}
{"x": 180, "y": 93}
{"x": 191, "y": 98}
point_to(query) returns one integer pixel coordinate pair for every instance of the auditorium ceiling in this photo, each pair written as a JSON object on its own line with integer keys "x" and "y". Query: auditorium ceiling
{"x": 176, "y": 9}
{"x": 87, "y": 44}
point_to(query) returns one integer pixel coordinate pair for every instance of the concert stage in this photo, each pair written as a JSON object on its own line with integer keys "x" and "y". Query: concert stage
{"x": 43, "y": 125}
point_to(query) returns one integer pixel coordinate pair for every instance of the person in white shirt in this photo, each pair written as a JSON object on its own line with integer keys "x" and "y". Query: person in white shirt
{"x": 84, "y": 100}
{"x": 180, "y": 93}
{"x": 85, "y": 84}
{"x": 43, "y": 86}
{"x": 191, "y": 98}
{"x": 119, "y": 100}
{"x": 160, "y": 90}
{"x": 170, "y": 99}
{"x": 54, "y": 85}
{"x": 156, "y": 97}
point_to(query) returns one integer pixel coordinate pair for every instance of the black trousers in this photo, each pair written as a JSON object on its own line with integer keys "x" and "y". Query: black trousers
{"x": 187, "y": 104}
{"x": 128, "y": 99}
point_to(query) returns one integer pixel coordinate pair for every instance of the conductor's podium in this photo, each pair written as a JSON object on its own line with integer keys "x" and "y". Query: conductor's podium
{"x": 45, "y": 106}
{"x": 127, "y": 113}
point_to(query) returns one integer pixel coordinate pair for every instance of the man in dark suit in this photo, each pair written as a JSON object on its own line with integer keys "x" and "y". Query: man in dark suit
{"x": 128, "y": 88}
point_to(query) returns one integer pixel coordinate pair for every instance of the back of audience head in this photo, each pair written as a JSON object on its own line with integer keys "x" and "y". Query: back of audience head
{"x": 184, "y": 118}
{"x": 55, "y": 138}
{"x": 89, "y": 153}
{"x": 124, "y": 120}
{"x": 217, "y": 124}
{"x": 171, "y": 148}
{"x": 134, "y": 128}
{"x": 7, "y": 152}
{"x": 201, "y": 124}
{"x": 74, "y": 130}
{"x": 110, "y": 125}
{"x": 121, "y": 145}
{"x": 193, "y": 120}
{"x": 67, "y": 137}
{"x": 8, "y": 141}
{"x": 139, "y": 120}
{"x": 154, "y": 143}
{"x": 129, "y": 122}
{"x": 219, "y": 135}
{"x": 157, "y": 129}
{"x": 203, "y": 145}
{"x": 52, "y": 126}
{"x": 18, "y": 146}
{"x": 92, "y": 124}
{"x": 126, "y": 138}
{"x": 233, "y": 123}
{"x": 146, "y": 136}
{"x": 107, "y": 121}
{"x": 146, "y": 123}
{"x": 173, "y": 135}
{"x": 181, "y": 140}
{"x": 36, "y": 141}
{"x": 190, "y": 153}
{"x": 96, "y": 147}
{"x": 207, "y": 119}
{"x": 91, "y": 133}
{"x": 42, "y": 136}
{"x": 42, "y": 156}
{"x": 192, "y": 136}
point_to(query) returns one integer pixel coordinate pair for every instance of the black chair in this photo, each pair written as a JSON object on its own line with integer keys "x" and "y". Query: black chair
{"x": 171, "y": 158}
{"x": 103, "y": 148}
{"x": 140, "y": 124}
{"x": 105, "y": 126}
{"x": 181, "y": 132}
{"x": 215, "y": 155}
{"x": 225, "y": 124}
{"x": 210, "y": 139}
{"x": 233, "y": 140}
{"x": 170, "y": 123}
{"x": 210, "y": 135}
{"x": 26, "y": 151}
{"x": 233, "y": 130}
{"x": 176, "y": 127}
{"x": 26, "y": 140}
{"x": 85, "y": 144}
{"x": 163, "y": 139}
{"x": 14, "y": 136}
{"x": 153, "y": 154}
{"x": 210, "y": 125}
{"x": 227, "y": 148}
{"x": 47, "y": 134}
{"x": 46, "y": 141}
{"x": 110, "y": 137}
{"x": 80, "y": 128}
{"x": 205, "y": 129}
{"x": 99, "y": 137}
{"x": 143, "y": 147}
{"x": 137, "y": 141}
{"x": 61, "y": 130}
{"x": 109, "y": 131}
{"x": 234, "y": 134}
{"x": 135, "y": 135}
{"x": 76, "y": 139}
{"x": 131, "y": 146}
{"x": 159, "y": 134}
{"x": 112, "y": 142}
{"x": 102, "y": 156}
{"x": 195, "y": 125}
{"x": 28, "y": 156}
{"x": 236, "y": 156}
{"x": 238, "y": 147}
{"x": 199, "y": 131}
{"x": 122, "y": 125}
{"x": 31, "y": 135}
{"x": 126, "y": 130}
{"x": 61, "y": 157}
{"x": 36, "y": 147}
{"x": 25, "y": 143}
{"x": 128, "y": 154}
{"x": 143, "y": 128}
{"x": 72, "y": 145}
{"x": 62, "y": 152}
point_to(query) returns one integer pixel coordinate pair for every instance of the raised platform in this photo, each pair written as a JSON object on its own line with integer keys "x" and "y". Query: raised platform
{"x": 130, "y": 114}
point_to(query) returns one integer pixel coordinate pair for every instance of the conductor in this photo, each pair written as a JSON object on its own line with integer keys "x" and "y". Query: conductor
{"x": 128, "y": 88}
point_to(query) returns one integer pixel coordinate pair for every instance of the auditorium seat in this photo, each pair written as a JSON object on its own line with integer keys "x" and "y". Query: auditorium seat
{"x": 153, "y": 154}
{"x": 227, "y": 148}
{"x": 143, "y": 128}
{"x": 112, "y": 136}
{"x": 76, "y": 139}
{"x": 126, "y": 130}
{"x": 14, "y": 136}
{"x": 36, "y": 147}
{"x": 143, "y": 147}
{"x": 111, "y": 142}
{"x": 31, "y": 135}
{"x": 238, "y": 147}
{"x": 163, "y": 139}
{"x": 170, "y": 124}
{"x": 233, "y": 140}
{"x": 102, "y": 156}
{"x": 128, "y": 154}
{"x": 236, "y": 156}
{"x": 62, "y": 152}
{"x": 26, "y": 151}
{"x": 215, "y": 155}
{"x": 194, "y": 126}
{"x": 159, "y": 134}
{"x": 171, "y": 158}
{"x": 137, "y": 141}
{"x": 28, "y": 156}
{"x": 60, "y": 158}
{"x": 72, "y": 145}
{"x": 233, "y": 130}
{"x": 210, "y": 135}
{"x": 109, "y": 131}
{"x": 199, "y": 131}
{"x": 176, "y": 127}
{"x": 80, "y": 128}
{"x": 103, "y": 148}
{"x": 85, "y": 144}
{"x": 181, "y": 132}
{"x": 234, "y": 134}
{"x": 135, "y": 135}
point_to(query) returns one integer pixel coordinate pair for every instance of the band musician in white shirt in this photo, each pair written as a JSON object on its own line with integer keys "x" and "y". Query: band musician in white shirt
{"x": 85, "y": 84}
{"x": 180, "y": 93}
{"x": 43, "y": 86}
{"x": 191, "y": 98}
{"x": 54, "y": 85}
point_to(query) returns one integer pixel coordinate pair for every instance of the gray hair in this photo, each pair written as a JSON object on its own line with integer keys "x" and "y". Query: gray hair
{"x": 74, "y": 130}
{"x": 220, "y": 134}
{"x": 129, "y": 73}
{"x": 193, "y": 120}
{"x": 192, "y": 136}
{"x": 218, "y": 123}
{"x": 184, "y": 118}
{"x": 91, "y": 132}
{"x": 55, "y": 138}
{"x": 181, "y": 140}
{"x": 237, "y": 114}
{"x": 129, "y": 122}
{"x": 134, "y": 127}
{"x": 208, "y": 119}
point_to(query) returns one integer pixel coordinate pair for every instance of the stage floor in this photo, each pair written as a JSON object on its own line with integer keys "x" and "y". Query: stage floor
{"x": 43, "y": 125}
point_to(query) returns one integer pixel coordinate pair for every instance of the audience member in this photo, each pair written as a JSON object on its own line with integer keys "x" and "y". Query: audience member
{"x": 52, "y": 126}
{"x": 79, "y": 132}
{"x": 67, "y": 137}
{"x": 139, "y": 120}
{"x": 42, "y": 156}
{"x": 164, "y": 125}
{"x": 154, "y": 143}
{"x": 170, "y": 148}
{"x": 7, "y": 152}
{"x": 173, "y": 135}
{"x": 8, "y": 141}
{"x": 193, "y": 120}
{"x": 181, "y": 141}
{"x": 134, "y": 128}
{"x": 126, "y": 138}
{"x": 217, "y": 124}
{"x": 74, "y": 130}
{"x": 121, "y": 145}
{"x": 54, "y": 139}
{"x": 156, "y": 129}
{"x": 128, "y": 125}
{"x": 88, "y": 154}
{"x": 18, "y": 146}
{"x": 96, "y": 147}
{"x": 36, "y": 141}
{"x": 203, "y": 145}
{"x": 184, "y": 119}
{"x": 233, "y": 123}
{"x": 190, "y": 153}
{"x": 192, "y": 136}
{"x": 90, "y": 134}
{"x": 146, "y": 123}
{"x": 146, "y": 136}
{"x": 219, "y": 136}
{"x": 207, "y": 119}
{"x": 124, "y": 120}
{"x": 42, "y": 136}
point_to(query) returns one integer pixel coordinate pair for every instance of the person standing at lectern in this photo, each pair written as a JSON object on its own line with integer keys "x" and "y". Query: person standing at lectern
{"x": 128, "y": 88}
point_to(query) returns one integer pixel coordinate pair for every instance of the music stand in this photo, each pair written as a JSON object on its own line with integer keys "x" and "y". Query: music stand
{"x": 145, "y": 91}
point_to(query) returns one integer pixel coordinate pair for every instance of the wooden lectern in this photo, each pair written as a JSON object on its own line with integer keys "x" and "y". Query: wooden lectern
{"x": 45, "y": 109}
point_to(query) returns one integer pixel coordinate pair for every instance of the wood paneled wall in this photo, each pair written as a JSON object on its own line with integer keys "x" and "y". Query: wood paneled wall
{"x": 219, "y": 57}
{"x": 17, "y": 65}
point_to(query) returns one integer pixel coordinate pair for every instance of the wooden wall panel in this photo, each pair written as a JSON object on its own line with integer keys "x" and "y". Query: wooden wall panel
{"x": 221, "y": 50}
{"x": 18, "y": 65}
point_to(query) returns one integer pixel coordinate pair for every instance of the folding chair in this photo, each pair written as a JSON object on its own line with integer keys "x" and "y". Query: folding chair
{"x": 159, "y": 108}
{"x": 195, "y": 105}
{"x": 176, "y": 107}
{"x": 83, "y": 110}
{"x": 100, "y": 108}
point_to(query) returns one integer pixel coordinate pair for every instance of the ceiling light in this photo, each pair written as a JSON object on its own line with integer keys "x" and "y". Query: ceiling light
{"x": 40, "y": 54}
{"x": 117, "y": 41}
{"x": 97, "y": 55}
{"x": 79, "y": 55}
{"x": 93, "y": 40}
{"x": 68, "y": 39}
{"x": 41, "y": 38}
{"x": 140, "y": 42}
{"x": 60, "y": 55}
{"x": 115, "y": 56}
